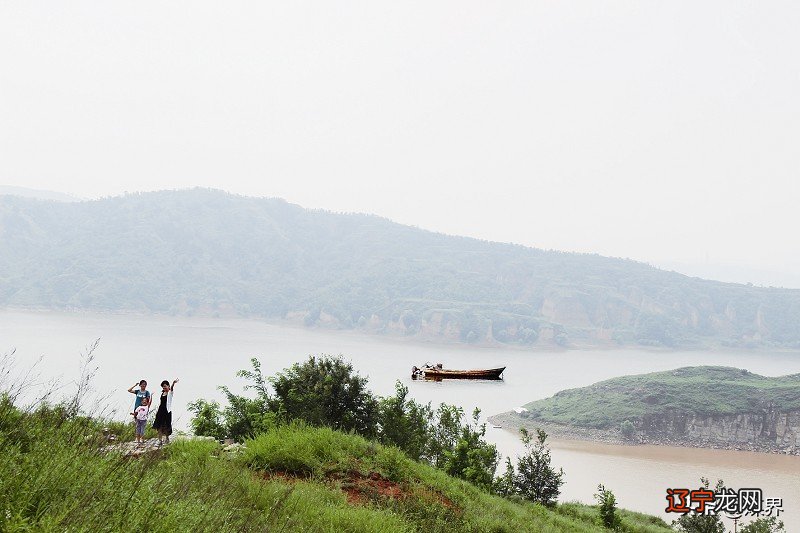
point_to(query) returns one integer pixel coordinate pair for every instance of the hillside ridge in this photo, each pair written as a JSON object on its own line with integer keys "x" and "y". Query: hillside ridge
{"x": 206, "y": 252}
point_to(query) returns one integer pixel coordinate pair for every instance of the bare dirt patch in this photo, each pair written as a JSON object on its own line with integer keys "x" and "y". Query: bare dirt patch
{"x": 361, "y": 488}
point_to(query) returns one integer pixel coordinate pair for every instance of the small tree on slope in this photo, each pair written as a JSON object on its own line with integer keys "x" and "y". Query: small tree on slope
{"x": 536, "y": 480}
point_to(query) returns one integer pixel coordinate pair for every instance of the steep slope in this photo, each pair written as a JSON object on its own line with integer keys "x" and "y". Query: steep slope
{"x": 208, "y": 252}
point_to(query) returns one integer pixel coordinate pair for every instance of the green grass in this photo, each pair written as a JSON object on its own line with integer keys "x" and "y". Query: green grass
{"x": 706, "y": 390}
{"x": 429, "y": 499}
{"x": 54, "y": 477}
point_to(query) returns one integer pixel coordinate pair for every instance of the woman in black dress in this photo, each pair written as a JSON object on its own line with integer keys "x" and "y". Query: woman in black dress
{"x": 163, "y": 421}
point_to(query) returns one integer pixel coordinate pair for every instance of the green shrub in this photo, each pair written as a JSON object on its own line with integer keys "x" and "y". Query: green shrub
{"x": 325, "y": 391}
{"x": 607, "y": 504}
{"x": 404, "y": 423}
{"x": 627, "y": 428}
{"x": 536, "y": 480}
{"x": 698, "y": 523}
{"x": 207, "y": 419}
{"x": 764, "y": 525}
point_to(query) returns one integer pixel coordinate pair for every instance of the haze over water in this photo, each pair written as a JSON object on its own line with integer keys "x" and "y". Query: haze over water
{"x": 206, "y": 353}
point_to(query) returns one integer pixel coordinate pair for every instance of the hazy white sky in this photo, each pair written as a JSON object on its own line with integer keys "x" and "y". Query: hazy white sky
{"x": 667, "y": 132}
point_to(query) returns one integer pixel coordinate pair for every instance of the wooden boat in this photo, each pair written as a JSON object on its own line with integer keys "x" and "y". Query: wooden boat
{"x": 437, "y": 373}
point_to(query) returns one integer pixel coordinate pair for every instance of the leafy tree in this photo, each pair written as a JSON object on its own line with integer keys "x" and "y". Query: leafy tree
{"x": 472, "y": 458}
{"x": 325, "y": 391}
{"x": 444, "y": 433}
{"x": 536, "y": 480}
{"x": 655, "y": 330}
{"x": 504, "y": 483}
{"x": 207, "y": 419}
{"x": 764, "y": 525}
{"x": 698, "y": 523}
{"x": 257, "y": 380}
{"x": 246, "y": 417}
{"x": 627, "y": 428}
{"x": 405, "y": 423}
{"x": 607, "y": 503}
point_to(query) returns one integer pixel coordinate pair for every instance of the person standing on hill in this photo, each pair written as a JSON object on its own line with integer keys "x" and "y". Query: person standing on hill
{"x": 142, "y": 392}
{"x": 163, "y": 421}
{"x": 140, "y": 416}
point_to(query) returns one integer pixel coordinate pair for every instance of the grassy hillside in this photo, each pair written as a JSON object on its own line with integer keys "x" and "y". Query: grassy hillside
{"x": 53, "y": 475}
{"x": 705, "y": 390}
{"x": 207, "y": 252}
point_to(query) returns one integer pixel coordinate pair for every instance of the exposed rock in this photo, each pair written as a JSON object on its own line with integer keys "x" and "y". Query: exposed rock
{"x": 770, "y": 430}
{"x": 756, "y": 433}
{"x": 132, "y": 448}
{"x": 234, "y": 449}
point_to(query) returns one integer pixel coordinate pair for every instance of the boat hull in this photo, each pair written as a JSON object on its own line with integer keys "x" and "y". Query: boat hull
{"x": 437, "y": 373}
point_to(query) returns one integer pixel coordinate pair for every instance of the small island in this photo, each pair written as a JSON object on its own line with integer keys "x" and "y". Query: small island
{"x": 703, "y": 406}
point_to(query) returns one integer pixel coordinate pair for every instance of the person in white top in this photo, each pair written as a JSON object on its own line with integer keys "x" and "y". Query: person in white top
{"x": 140, "y": 416}
{"x": 163, "y": 421}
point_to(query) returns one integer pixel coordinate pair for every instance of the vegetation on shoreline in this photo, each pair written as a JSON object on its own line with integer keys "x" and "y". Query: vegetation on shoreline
{"x": 326, "y": 391}
{"x": 293, "y": 479}
{"x": 57, "y": 472}
{"x": 705, "y": 390}
{"x": 210, "y": 253}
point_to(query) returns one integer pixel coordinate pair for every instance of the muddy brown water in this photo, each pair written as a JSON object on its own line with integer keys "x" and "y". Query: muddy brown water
{"x": 206, "y": 353}
{"x": 640, "y": 475}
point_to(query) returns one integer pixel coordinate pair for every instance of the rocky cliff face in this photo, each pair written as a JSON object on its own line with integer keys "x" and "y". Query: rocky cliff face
{"x": 769, "y": 430}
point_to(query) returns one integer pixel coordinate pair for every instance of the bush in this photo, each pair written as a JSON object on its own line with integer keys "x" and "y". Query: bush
{"x": 607, "y": 503}
{"x": 246, "y": 417}
{"x": 404, "y": 423}
{"x": 764, "y": 525}
{"x": 697, "y": 523}
{"x": 325, "y": 391}
{"x": 207, "y": 419}
{"x": 504, "y": 483}
{"x": 536, "y": 480}
{"x": 470, "y": 457}
{"x": 627, "y": 428}
{"x": 293, "y": 449}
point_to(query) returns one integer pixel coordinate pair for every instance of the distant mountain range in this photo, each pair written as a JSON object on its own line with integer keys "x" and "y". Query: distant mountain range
{"x": 207, "y": 252}
{"x": 37, "y": 193}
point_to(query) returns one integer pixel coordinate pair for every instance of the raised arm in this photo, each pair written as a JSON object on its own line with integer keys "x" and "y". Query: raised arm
{"x": 173, "y": 384}
{"x": 133, "y": 387}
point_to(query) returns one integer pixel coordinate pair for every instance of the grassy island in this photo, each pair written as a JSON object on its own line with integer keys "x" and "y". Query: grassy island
{"x": 702, "y": 390}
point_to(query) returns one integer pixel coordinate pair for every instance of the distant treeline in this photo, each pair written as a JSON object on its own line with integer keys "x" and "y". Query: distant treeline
{"x": 211, "y": 253}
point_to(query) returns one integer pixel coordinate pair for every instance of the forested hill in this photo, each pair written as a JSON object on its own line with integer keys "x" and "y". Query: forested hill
{"x": 211, "y": 253}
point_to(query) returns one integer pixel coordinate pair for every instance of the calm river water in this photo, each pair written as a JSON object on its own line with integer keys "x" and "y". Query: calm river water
{"x": 205, "y": 353}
